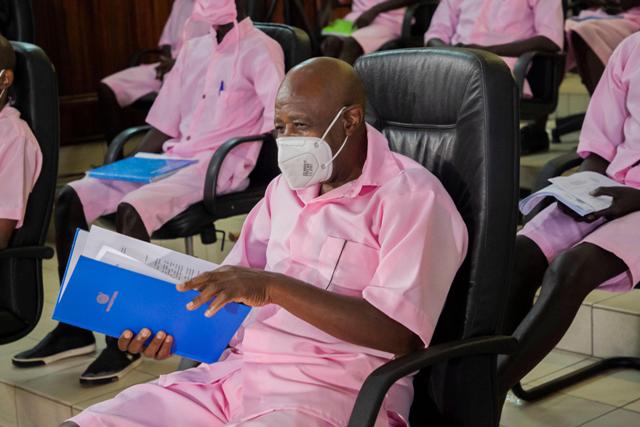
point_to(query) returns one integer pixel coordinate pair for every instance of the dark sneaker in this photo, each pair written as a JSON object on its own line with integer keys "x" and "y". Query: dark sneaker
{"x": 111, "y": 365}
{"x": 533, "y": 140}
{"x": 55, "y": 347}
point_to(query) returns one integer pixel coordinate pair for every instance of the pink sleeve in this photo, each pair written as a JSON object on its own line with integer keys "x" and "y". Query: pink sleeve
{"x": 549, "y": 20}
{"x": 422, "y": 244}
{"x": 165, "y": 114}
{"x": 267, "y": 72}
{"x": 603, "y": 128}
{"x": 251, "y": 248}
{"x": 444, "y": 22}
{"x": 16, "y": 180}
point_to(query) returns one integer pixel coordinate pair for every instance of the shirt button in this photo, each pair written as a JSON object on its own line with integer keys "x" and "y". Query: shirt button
{"x": 204, "y": 95}
{"x": 188, "y": 137}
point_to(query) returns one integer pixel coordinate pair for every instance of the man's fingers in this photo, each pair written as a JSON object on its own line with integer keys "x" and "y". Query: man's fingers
{"x": 124, "y": 340}
{"x": 154, "y": 345}
{"x": 196, "y": 282}
{"x": 165, "y": 349}
{"x": 221, "y": 300}
{"x": 605, "y": 191}
{"x": 137, "y": 344}
{"x": 204, "y": 297}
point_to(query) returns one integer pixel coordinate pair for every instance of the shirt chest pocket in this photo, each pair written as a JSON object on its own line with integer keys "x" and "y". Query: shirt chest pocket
{"x": 228, "y": 104}
{"x": 349, "y": 265}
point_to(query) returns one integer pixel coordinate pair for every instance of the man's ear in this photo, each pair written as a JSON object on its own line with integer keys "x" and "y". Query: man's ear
{"x": 6, "y": 79}
{"x": 353, "y": 118}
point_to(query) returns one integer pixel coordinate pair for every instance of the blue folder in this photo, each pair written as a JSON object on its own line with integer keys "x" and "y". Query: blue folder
{"x": 109, "y": 299}
{"x": 140, "y": 169}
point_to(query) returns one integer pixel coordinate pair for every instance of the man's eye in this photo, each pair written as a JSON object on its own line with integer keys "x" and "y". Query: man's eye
{"x": 279, "y": 128}
{"x": 299, "y": 124}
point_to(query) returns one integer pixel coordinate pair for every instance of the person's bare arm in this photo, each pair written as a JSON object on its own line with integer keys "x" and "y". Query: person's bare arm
{"x": 152, "y": 142}
{"x": 368, "y": 16}
{"x": 6, "y": 230}
{"x": 348, "y": 318}
{"x": 594, "y": 163}
{"x": 517, "y": 48}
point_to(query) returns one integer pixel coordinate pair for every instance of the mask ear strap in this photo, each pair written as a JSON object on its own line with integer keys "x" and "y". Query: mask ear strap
{"x": 2, "y": 73}
{"x": 333, "y": 122}
{"x": 339, "y": 149}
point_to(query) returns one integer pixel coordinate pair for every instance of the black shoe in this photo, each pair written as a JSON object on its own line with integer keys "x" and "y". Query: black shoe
{"x": 54, "y": 347}
{"x": 111, "y": 365}
{"x": 533, "y": 139}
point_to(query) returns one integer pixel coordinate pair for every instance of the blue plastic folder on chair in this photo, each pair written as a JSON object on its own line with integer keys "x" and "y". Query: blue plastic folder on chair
{"x": 141, "y": 168}
{"x": 108, "y": 299}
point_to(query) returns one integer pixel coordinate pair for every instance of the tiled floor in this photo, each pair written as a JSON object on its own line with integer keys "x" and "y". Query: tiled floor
{"x": 606, "y": 325}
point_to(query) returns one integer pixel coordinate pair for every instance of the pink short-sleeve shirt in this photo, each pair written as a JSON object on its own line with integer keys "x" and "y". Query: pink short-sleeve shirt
{"x": 392, "y": 237}
{"x": 492, "y": 22}
{"x": 20, "y": 164}
{"x": 612, "y": 125}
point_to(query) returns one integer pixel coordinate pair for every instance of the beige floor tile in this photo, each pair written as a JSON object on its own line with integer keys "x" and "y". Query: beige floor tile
{"x": 633, "y": 406}
{"x": 555, "y": 361}
{"x": 571, "y": 84}
{"x": 36, "y": 411}
{"x": 8, "y": 415}
{"x": 578, "y": 337}
{"x": 598, "y": 297}
{"x": 615, "y": 333}
{"x": 617, "y": 418}
{"x": 530, "y": 165}
{"x": 63, "y": 386}
{"x": 615, "y": 389}
{"x": 560, "y": 372}
{"x": 628, "y": 302}
{"x": 159, "y": 367}
{"x": 556, "y": 411}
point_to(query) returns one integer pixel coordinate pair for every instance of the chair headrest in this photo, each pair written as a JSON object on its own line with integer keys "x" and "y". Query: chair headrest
{"x": 16, "y": 20}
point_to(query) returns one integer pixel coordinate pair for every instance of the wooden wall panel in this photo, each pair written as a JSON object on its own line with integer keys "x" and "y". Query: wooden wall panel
{"x": 87, "y": 40}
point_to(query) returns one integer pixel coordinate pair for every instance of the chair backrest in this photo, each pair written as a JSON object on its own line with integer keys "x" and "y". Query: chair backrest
{"x": 456, "y": 112}
{"x": 35, "y": 91}
{"x": 266, "y": 168}
{"x": 295, "y": 42}
{"x": 16, "y": 20}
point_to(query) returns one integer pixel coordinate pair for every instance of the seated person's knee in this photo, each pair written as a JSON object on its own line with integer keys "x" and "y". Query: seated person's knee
{"x": 331, "y": 46}
{"x": 66, "y": 201}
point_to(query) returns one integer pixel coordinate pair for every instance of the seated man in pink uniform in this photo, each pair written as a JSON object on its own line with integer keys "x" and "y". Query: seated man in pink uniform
{"x": 377, "y": 22}
{"x": 223, "y": 85}
{"x": 347, "y": 260}
{"x": 127, "y": 86}
{"x": 570, "y": 256}
{"x": 507, "y": 28}
{"x": 595, "y": 33}
{"x": 20, "y": 157}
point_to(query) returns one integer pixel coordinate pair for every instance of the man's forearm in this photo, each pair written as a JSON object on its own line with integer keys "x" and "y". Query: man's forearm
{"x": 347, "y": 318}
{"x": 594, "y": 163}
{"x": 6, "y": 230}
{"x": 152, "y": 142}
{"x": 393, "y": 5}
{"x": 517, "y": 48}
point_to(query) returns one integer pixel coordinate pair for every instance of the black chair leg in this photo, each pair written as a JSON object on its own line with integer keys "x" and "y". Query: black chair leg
{"x": 565, "y": 125}
{"x": 544, "y": 390}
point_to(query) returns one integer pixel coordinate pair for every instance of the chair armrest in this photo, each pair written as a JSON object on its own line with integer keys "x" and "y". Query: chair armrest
{"x": 410, "y": 15}
{"x": 33, "y": 252}
{"x": 556, "y": 167}
{"x": 525, "y": 62}
{"x": 215, "y": 164}
{"x": 376, "y": 386}
{"x": 136, "y": 58}
{"x": 116, "y": 148}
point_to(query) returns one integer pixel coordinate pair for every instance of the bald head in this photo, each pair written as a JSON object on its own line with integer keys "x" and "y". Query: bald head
{"x": 311, "y": 96}
{"x": 7, "y": 55}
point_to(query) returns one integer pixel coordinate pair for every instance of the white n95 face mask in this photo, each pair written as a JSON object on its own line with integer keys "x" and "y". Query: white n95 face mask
{"x": 307, "y": 160}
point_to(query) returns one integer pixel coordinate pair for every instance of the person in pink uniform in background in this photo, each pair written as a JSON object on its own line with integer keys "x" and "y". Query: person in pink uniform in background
{"x": 347, "y": 260}
{"x": 20, "y": 156}
{"x": 593, "y": 35}
{"x": 570, "y": 256}
{"x": 377, "y": 22}
{"x": 125, "y": 87}
{"x": 223, "y": 85}
{"x": 507, "y": 28}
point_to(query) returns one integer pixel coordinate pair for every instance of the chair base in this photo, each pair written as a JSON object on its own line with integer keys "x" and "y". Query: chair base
{"x": 544, "y": 390}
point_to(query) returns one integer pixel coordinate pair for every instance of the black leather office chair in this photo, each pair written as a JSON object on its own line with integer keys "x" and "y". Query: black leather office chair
{"x": 16, "y": 20}
{"x": 556, "y": 167}
{"x": 200, "y": 217}
{"x": 456, "y": 112}
{"x": 21, "y": 293}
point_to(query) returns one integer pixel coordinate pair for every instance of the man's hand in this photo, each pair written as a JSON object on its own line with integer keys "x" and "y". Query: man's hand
{"x": 366, "y": 18}
{"x": 625, "y": 201}
{"x": 166, "y": 64}
{"x": 229, "y": 284}
{"x": 159, "y": 348}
